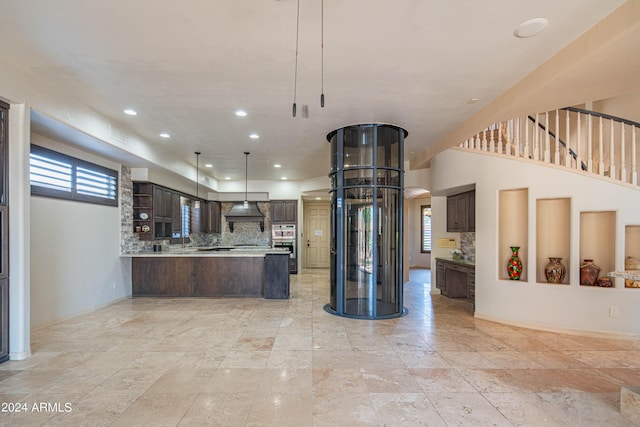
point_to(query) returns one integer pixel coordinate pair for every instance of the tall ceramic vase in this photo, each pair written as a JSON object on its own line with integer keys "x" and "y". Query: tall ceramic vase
{"x": 554, "y": 271}
{"x": 514, "y": 266}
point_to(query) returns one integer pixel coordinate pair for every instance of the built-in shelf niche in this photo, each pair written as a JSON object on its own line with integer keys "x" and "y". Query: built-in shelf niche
{"x": 513, "y": 218}
{"x": 598, "y": 239}
{"x": 553, "y": 235}
{"x": 631, "y": 249}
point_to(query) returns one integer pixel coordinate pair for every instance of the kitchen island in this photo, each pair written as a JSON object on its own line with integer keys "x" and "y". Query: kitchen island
{"x": 211, "y": 272}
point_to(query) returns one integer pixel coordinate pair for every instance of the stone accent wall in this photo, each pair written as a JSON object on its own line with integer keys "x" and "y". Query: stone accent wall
{"x": 129, "y": 242}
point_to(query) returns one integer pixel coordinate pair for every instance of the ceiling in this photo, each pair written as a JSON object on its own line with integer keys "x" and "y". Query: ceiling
{"x": 187, "y": 66}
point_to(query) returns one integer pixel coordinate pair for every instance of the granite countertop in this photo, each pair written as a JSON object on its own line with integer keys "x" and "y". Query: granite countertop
{"x": 217, "y": 251}
{"x": 457, "y": 261}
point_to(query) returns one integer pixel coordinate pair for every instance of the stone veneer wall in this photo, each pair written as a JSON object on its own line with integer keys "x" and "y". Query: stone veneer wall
{"x": 246, "y": 233}
{"x": 129, "y": 242}
{"x": 468, "y": 246}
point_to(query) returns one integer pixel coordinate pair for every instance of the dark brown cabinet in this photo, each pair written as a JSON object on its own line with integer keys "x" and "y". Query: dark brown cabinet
{"x": 210, "y": 217}
{"x": 456, "y": 279}
{"x": 284, "y": 211}
{"x": 4, "y": 233}
{"x": 461, "y": 212}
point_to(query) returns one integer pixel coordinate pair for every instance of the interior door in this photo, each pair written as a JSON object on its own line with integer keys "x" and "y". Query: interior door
{"x": 316, "y": 235}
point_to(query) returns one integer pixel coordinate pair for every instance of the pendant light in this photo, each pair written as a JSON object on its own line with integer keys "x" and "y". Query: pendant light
{"x": 197, "y": 203}
{"x": 321, "y": 53}
{"x": 246, "y": 175}
{"x": 295, "y": 74}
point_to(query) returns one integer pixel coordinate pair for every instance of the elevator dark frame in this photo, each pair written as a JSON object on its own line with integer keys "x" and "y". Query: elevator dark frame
{"x": 367, "y": 193}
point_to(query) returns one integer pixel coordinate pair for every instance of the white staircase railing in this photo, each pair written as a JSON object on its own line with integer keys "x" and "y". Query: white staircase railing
{"x": 579, "y": 139}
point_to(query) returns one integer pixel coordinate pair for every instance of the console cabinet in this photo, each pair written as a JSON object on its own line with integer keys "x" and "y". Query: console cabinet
{"x": 456, "y": 279}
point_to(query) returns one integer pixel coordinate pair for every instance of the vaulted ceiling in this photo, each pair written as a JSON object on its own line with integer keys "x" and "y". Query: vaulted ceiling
{"x": 187, "y": 66}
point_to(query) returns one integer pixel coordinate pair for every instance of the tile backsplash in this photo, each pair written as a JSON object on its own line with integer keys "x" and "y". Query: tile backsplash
{"x": 468, "y": 245}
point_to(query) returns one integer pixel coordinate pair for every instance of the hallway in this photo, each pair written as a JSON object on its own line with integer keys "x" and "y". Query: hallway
{"x": 253, "y": 362}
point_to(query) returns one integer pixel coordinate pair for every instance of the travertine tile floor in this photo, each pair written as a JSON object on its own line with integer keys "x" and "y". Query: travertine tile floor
{"x": 254, "y": 362}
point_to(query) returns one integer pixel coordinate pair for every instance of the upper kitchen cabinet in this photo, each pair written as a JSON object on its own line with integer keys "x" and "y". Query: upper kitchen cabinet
{"x": 210, "y": 217}
{"x": 284, "y": 211}
{"x": 461, "y": 212}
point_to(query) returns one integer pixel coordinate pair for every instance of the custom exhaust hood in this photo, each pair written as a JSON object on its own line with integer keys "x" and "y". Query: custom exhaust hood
{"x": 247, "y": 211}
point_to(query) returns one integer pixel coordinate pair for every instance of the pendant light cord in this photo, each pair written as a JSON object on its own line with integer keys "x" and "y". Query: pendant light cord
{"x": 322, "y": 53}
{"x": 246, "y": 176}
{"x": 295, "y": 76}
{"x": 197, "y": 171}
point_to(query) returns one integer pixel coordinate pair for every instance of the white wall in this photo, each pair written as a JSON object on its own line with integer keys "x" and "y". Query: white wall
{"x": 75, "y": 252}
{"x": 414, "y": 234}
{"x": 554, "y": 307}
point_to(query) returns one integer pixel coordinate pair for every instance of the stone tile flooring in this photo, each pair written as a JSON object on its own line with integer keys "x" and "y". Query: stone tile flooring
{"x": 254, "y": 362}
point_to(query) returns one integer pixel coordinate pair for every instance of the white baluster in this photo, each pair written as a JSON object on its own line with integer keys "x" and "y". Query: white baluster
{"x": 579, "y": 141}
{"x": 557, "y": 155}
{"x": 547, "y": 144}
{"x": 517, "y": 135}
{"x": 600, "y": 149}
{"x": 623, "y": 166}
{"x": 526, "y": 137}
{"x": 536, "y": 138}
{"x": 634, "y": 162}
{"x": 612, "y": 166}
{"x": 484, "y": 140}
{"x": 567, "y": 156}
{"x": 589, "y": 144}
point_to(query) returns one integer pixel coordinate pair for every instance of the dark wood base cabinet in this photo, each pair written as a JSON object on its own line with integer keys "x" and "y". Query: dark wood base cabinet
{"x": 456, "y": 279}
{"x": 211, "y": 276}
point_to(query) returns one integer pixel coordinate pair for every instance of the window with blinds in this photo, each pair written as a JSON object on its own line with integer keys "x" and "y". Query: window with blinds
{"x": 425, "y": 215}
{"x": 54, "y": 174}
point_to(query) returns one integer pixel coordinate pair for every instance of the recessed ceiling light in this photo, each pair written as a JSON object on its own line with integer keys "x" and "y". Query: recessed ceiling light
{"x": 283, "y": 178}
{"x": 254, "y": 136}
{"x": 130, "y": 112}
{"x": 227, "y": 178}
{"x": 165, "y": 135}
{"x": 530, "y": 28}
{"x": 241, "y": 113}
{"x": 208, "y": 165}
{"x": 277, "y": 165}
{"x": 318, "y": 198}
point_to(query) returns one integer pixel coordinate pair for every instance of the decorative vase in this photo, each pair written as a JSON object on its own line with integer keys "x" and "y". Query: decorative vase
{"x": 514, "y": 266}
{"x": 589, "y": 273}
{"x": 554, "y": 271}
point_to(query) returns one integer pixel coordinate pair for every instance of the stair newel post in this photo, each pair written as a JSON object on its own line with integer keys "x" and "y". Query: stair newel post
{"x": 578, "y": 140}
{"x": 623, "y": 166}
{"x": 547, "y": 142}
{"x": 600, "y": 150}
{"x": 612, "y": 165}
{"x": 491, "y": 137}
{"x": 590, "y": 143}
{"x": 567, "y": 154}
{"x": 634, "y": 166}
{"x": 557, "y": 154}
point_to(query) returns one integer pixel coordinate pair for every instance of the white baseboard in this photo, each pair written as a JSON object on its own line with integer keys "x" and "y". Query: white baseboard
{"x": 559, "y": 330}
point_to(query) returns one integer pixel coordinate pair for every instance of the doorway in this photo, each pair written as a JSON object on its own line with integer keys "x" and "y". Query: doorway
{"x": 316, "y": 234}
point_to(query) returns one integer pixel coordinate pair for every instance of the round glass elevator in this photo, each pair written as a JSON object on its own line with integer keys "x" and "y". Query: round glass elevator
{"x": 366, "y": 221}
